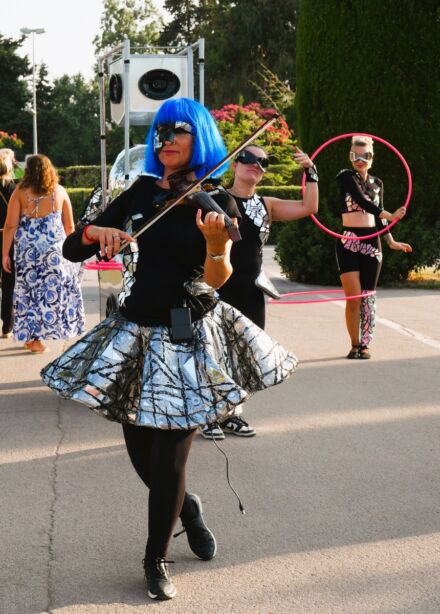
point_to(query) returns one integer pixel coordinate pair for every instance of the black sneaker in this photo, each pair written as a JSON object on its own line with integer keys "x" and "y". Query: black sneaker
{"x": 213, "y": 431}
{"x": 364, "y": 352}
{"x": 235, "y": 425}
{"x": 201, "y": 540}
{"x": 159, "y": 583}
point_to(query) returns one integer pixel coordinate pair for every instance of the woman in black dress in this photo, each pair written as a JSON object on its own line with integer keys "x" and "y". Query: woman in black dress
{"x": 257, "y": 214}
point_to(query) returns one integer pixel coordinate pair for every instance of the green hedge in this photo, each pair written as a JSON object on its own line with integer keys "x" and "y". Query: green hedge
{"x": 377, "y": 71}
{"x": 79, "y": 176}
{"x": 282, "y": 175}
{"x": 286, "y": 192}
{"x": 78, "y": 198}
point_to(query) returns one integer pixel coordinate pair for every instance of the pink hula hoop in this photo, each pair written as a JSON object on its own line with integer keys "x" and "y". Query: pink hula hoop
{"x": 273, "y": 301}
{"x": 103, "y": 265}
{"x": 394, "y": 150}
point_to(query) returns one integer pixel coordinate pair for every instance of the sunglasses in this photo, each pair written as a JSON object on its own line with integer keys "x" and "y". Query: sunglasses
{"x": 365, "y": 157}
{"x": 246, "y": 157}
{"x": 168, "y": 131}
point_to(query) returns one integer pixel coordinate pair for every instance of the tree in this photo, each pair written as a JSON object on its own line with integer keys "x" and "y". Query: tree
{"x": 138, "y": 20}
{"x": 238, "y": 36}
{"x": 273, "y": 92}
{"x": 13, "y": 70}
{"x": 72, "y": 128}
{"x": 44, "y": 91}
{"x": 184, "y": 28}
{"x": 375, "y": 70}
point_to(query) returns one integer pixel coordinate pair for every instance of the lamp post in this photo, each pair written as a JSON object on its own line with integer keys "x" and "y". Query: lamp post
{"x": 34, "y": 31}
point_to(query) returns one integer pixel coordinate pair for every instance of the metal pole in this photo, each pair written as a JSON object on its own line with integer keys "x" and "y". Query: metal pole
{"x": 201, "y": 70}
{"x": 34, "y": 110}
{"x": 190, "y": 65}
{"x": 103, "y": 133}
{"x": 126, "y": 57}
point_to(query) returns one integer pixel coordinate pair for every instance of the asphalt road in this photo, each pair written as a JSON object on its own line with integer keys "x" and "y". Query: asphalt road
{"x": 341, "y": 484}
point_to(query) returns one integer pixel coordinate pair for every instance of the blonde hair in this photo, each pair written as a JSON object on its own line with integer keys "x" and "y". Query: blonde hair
{"x": 360, "y": 139}
{"x": 39, "y": 175}
{"x": 6, "y": 168}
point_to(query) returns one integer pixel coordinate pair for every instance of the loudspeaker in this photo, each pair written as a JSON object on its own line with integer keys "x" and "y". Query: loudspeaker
{"x": 152, "y": 79}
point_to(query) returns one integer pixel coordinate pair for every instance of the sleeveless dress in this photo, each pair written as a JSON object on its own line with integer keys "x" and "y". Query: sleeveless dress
{"x": 240, "y": 290}
{"x": 47, "y": 297}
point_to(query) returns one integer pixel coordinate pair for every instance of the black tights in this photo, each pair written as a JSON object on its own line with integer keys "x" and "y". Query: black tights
{"x": 159, "y": 457}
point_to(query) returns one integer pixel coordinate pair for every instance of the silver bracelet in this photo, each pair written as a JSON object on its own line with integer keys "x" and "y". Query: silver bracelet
{"x": 216, "y": 257}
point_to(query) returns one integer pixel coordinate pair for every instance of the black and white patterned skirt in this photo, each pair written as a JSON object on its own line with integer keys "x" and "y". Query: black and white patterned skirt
{"x": 136, "y": 374}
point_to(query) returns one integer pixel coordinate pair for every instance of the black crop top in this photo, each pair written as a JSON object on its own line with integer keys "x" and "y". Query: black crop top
{"x": 359, "y": 195}
{"x": 171, "y": 252}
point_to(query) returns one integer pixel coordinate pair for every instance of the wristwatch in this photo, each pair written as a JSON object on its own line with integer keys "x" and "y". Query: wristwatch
{"x": 216, "y": 257}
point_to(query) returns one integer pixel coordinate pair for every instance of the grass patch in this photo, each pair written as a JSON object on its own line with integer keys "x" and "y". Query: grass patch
{"x": 425, "y": 279}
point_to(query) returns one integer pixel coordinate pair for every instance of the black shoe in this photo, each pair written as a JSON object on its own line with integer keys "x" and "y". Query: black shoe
{"x": 364, "y": 352}
{"x": 159, "y": 583}
{"x": 213, "y": 431}
{"x": 354, "y": 352}
{"x": 200, "y": 539}
{"x": 235, "y": 425}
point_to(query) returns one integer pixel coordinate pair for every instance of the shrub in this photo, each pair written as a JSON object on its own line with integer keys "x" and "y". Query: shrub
{"x": 80, "y": 176}
{"x": 360, "y": 82}
{"x": 236, "y": 122}
{"x": 10, "y": 141}
{"x": 286, "y": 192}
{"x": 78, "y": 198}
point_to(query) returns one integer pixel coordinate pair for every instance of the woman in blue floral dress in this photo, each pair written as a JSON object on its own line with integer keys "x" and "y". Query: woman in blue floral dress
{"x": 47, "y": 296}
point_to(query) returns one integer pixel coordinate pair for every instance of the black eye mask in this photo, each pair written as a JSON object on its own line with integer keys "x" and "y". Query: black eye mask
{"x": 167, "y": 132}
{"x": 247, "y": 157}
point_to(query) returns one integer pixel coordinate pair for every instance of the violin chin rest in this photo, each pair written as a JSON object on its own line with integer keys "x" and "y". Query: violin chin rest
{"x": 234, "y": 233}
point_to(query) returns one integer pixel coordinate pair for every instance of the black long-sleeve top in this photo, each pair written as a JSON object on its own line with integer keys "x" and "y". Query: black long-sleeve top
{"x": 359, "y": 195}
{"x": 171, "y": 252}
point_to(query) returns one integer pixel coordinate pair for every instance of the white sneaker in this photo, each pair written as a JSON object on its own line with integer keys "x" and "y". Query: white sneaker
{"x": 235, "y": 425}
{"x": 213, "y": 431}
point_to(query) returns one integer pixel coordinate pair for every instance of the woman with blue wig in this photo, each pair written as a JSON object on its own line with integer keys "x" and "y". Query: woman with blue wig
{"x": 173, "y": 357}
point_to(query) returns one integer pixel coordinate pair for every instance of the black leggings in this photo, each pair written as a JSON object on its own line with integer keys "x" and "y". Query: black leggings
{"x": 159, "y": 457}
{"x": 8, "y": 280}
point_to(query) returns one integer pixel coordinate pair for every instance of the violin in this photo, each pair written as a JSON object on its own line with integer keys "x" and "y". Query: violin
{"x": 179, "y": 183}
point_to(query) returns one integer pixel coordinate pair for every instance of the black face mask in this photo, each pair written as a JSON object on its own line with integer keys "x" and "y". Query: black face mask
{"x": 247, "y": 157}
{"x": 167, "y": 132}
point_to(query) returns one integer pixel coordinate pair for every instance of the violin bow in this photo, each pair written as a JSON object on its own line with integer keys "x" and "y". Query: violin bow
{"x": 196, "y": 184}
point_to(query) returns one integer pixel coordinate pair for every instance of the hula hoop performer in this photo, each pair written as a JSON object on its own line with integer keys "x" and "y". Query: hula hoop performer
{"x": 257, "y": 214}
{"x": 359, "y": 262}
{"x": 138, "y": 367}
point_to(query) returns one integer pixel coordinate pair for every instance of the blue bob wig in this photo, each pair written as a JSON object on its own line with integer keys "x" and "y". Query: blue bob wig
{"x": 208, "y": 148}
